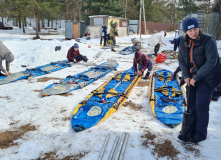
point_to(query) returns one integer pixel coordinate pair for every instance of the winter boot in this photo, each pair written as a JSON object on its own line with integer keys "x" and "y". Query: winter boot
{"x": 147, "y": 75}
{"x": 155, "y": 54}
{"x": 113, "y": 50}
{"x": 1, "y": 74}
{"x": 84, "y": 58}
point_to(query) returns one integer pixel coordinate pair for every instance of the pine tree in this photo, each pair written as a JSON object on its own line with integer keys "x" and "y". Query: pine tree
{"x": 40, "y": 8}
{"x": 102, "y": 7}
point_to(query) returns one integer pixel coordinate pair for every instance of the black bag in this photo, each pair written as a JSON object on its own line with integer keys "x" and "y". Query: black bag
{"x": 186, "y": 130}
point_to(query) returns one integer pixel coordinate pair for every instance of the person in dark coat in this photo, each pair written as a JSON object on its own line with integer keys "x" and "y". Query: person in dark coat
{"x": 5, "y": 54}
{"x": 100, "y": 33}
{"x": 143, "y": 62}
{"x": 176, "y": 42}
{"x": 199, "y": 62}
{"x": 104, "y": 33}
{"x": 74, "y": 55}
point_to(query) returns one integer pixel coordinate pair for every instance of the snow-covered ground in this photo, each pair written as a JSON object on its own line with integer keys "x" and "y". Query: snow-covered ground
{"x": 32, "y": 127}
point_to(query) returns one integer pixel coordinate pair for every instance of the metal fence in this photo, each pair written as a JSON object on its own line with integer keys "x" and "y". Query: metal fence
{"x": 208, "y": 22}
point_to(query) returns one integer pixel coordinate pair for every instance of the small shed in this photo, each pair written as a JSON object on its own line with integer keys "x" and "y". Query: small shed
{"x": 133, "y": 26}
{"x": 1, "y": 24}
{"x": 97, "y": 21}
{"x": 74, "y": 29}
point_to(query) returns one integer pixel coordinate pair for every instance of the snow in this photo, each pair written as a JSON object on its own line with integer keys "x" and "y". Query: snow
{"x": 48, "y": 120}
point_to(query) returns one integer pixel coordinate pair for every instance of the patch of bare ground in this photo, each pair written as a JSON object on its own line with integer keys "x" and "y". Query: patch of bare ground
{"x": 63, "y": 110}
{"x": 143, "y": 83}
{"x": 156, "y": 68}
{"x": 45, "y": 79}
{"x": 53, "y": 156}
{"x": 159, "y": 149}
{"x": 13, "y": 123}
{"x": 6, "y": 97}
{"x": 37, "y": 90}
{"x": 190, "y": 148}
{"x": 132, "y": 105}
{"x": 66, "y": 94}
{"x": 66, "y": 119}
{"x": 7, "y": 137}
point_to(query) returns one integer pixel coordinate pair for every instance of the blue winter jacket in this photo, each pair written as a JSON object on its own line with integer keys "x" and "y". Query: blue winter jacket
{"x": 105, "y": 32}
{"x": 177, "y": 42}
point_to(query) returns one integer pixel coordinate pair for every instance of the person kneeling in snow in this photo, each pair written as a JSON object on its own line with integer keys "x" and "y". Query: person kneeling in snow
{"x": 74, "y": 54}
{"x": 5, "y": 54}
{"x": 143, "y": 62}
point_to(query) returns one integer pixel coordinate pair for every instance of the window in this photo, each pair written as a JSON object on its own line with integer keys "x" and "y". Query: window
{"x": 123, "y": 23}
{"x": 98, "y": 22}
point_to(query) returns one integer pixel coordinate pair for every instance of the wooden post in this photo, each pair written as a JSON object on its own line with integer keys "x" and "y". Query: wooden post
{"x": 144, "y": 18}
{"x": 140, "y": 18}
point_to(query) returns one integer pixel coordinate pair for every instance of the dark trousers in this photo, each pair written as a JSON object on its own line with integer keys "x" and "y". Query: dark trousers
{"x": 105, "y": 41}
{"x": 113, "y": 42}
{"x": 150, "y": 67}
{"x": 80, "y": 57}
{"x": 101, "y": 40}
{"x": 1, "y": 74}
{"x": 156, "y": 49}
{"x": 200, "y": 97}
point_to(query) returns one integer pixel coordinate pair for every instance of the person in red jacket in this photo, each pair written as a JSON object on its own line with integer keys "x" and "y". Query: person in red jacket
{"x": 74, "y": 54}
{"x": 143, "y": 62}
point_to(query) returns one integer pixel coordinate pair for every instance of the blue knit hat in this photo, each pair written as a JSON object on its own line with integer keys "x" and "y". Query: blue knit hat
{"x": 190, "y": 23}
{"x": 76, "y": 45}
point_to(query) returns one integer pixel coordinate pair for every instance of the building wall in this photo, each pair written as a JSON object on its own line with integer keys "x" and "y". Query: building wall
{"x": 94, "y": 30}
{"x": 153, "y": 27}
{"x": 133, "y": 26}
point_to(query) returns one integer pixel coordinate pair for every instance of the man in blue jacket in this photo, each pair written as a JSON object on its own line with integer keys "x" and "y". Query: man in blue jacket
{"x": 176, "y": 42}
{"x": 104, "y": 35}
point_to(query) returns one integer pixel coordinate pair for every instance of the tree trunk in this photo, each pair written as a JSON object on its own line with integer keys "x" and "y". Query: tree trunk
{"x": 39, "y": 26}
{"x": 79, "y": 11}
{"x": 23, "y": 24}
{"x": 37, "y": 20}
{"x": 48, "y": 22}
{"x": 67, "y": 8}
{"x": 42, "y": 24}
